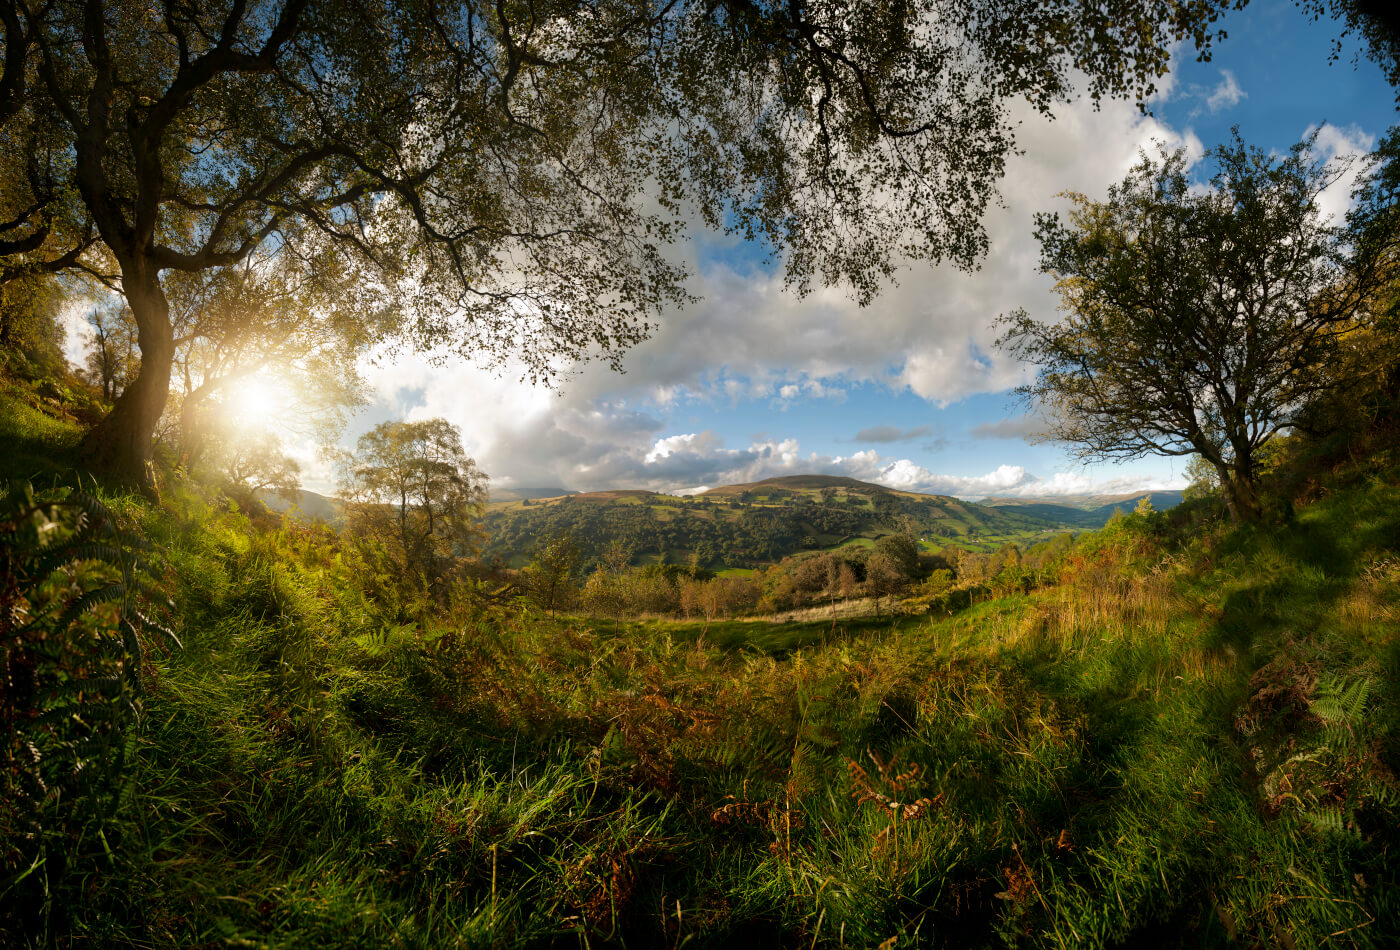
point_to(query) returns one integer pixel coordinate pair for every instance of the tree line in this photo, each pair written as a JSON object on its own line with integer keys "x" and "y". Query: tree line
{"x": 894, "y": 574}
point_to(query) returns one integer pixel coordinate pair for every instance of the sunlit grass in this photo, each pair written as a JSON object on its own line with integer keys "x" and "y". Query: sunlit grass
{"x": 36, "y": 444}
{"x": 1093, "y": 764}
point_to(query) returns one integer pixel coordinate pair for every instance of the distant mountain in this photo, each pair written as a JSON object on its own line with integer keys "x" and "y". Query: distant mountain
{"x": 306, "y": 504}
{"x": 1088, "y": 511}
{"x": 751, "y": 524}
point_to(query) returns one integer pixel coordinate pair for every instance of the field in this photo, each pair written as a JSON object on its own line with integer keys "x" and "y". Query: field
{"x": 1183, "y": 742}
{"x": 1187, "y": 736}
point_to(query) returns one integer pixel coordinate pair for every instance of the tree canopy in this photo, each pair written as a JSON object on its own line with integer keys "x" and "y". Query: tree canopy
{"x": 412, "y": 488}
{"x": 1376, "y": 23}
{"x": 510, "y": 174}
{"x": 1198, "y": 320}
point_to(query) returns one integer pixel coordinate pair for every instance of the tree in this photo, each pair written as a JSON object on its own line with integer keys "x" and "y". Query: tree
{"x": 491, "y": 166}
{"x": 31, "y": 336}
{"x": 113, "y": 359}
{"x": 884, "y": 577}
{"x": 1203, "y": 479}
{"x": 44, "y": 227}
{"x": 1197, "y": 320}
{"x": 411, "y": 487}
{"x": 551, "y": 572}
{"x": 602, "y": 594}
{"x": 691, "y": 595}
{"x": 902, "y": 549}
{"x": 605, "y": 590}
{"x": 257, "y": 463}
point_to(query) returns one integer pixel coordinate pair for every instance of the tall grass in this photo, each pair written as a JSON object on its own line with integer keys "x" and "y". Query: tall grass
{"x": 1144, "y": 754}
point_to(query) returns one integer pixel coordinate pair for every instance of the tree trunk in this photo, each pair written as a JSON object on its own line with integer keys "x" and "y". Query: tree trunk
{"x": 120, "y": 445}
{"x": 191, "y": 438}
{"x": 1242, "y": 498}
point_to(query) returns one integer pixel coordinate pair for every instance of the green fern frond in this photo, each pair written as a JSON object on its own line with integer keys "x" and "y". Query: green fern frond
{"x": 1340, "y": 702}
{"x": 1329, "y": 821}
{"x": 86, "y": 602}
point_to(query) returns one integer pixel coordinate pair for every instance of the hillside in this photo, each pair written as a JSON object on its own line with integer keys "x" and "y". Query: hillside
{"x": 748, "y": 525}
{"x": 305, "y": 504}
{"x": 1083, "y": 511}
{"x": 1181, "y": 734}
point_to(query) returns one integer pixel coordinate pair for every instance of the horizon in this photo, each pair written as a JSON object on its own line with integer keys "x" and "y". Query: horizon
{"x": 526, "y": 493}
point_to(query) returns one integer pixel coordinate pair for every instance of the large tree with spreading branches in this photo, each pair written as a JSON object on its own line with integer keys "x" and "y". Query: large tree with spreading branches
{"x": 509, "y": 173}
{"x": 1198, "y": 320}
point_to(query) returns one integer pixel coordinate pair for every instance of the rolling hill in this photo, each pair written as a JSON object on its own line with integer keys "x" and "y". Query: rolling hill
{"x": 747, "y": 525}
{"x": 307, "y": 505}
{"x": 1083, "y": 511}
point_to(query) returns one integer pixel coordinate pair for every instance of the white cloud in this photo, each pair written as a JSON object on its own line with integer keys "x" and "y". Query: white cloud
{"x": 1226, "y": 94}
{"x": 932, "y": 333}
{"x": 1347, "y": 149}
{"x": 693, "y": 443}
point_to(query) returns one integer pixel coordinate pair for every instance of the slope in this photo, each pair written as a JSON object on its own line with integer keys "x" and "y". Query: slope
{"x": 1187, "y": 739}
{"x": 749, "y": 525}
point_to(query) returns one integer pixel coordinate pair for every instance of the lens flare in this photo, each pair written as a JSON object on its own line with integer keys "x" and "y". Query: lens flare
{"x": 259, "y": 403}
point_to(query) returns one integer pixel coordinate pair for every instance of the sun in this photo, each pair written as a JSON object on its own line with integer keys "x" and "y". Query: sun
{"x": 259, "y": 403}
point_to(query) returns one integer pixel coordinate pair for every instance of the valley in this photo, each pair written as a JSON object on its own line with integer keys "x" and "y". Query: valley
{"x": 750, "y": 525}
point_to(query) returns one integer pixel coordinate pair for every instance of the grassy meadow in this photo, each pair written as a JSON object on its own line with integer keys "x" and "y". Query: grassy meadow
{"x": 1188, "y": 740}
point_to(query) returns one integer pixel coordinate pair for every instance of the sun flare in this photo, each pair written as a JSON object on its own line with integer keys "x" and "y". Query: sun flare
{"x": 260, "y": 403}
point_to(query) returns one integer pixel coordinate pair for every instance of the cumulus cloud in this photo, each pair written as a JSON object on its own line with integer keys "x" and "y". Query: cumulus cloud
{"x": 1346, "y": 148}
{"x": 751, "y": 339}
{"x": 932, "y": 333}
{"x": 689, "y": 462}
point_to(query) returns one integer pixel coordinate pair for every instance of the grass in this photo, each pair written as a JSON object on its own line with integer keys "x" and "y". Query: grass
{"x": 1167, "y": 748}
{"x": 776, "y": 637}
{"x": 38, "y": 444}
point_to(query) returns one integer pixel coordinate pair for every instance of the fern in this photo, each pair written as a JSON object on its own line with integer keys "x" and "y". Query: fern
{"x": 72, "y": 642}
{"x": 1329, "y": 821}
{"x": 1340, "y": 702}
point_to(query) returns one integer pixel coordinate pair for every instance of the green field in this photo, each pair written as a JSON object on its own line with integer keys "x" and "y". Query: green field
{"x": 1177, "y": 733}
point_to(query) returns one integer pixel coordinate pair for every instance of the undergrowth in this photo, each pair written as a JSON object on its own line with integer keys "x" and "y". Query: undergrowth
{"x": 1190, "y": 740}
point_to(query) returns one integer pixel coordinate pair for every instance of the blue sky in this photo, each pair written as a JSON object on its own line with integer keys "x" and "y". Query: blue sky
{"x": 753, "y": 381}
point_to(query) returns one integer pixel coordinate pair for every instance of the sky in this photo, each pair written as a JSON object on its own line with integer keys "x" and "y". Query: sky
{"x": 910, "y": 392}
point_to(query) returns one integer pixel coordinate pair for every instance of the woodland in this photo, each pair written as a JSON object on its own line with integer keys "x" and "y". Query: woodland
{"x": 802, "y": 712}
